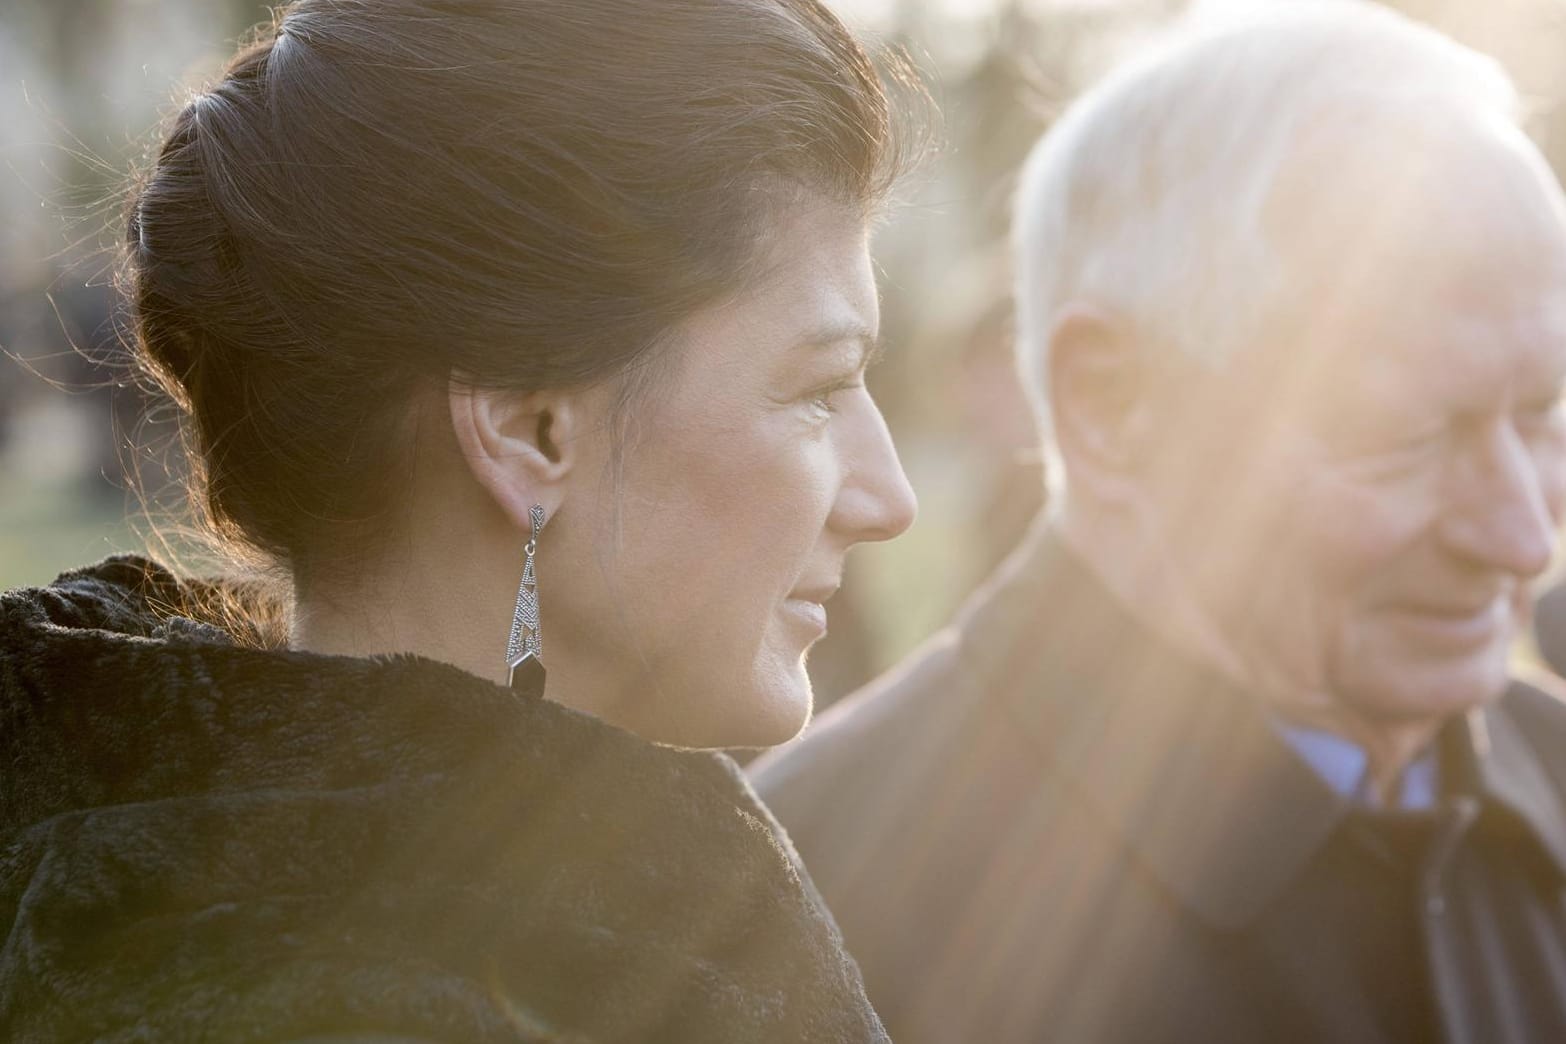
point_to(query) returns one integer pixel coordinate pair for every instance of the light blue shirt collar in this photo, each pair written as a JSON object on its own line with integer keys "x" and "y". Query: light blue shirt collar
{"x": 1344, "y": 767}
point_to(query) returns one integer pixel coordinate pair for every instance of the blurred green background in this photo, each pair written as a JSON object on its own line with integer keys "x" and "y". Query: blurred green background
{"x": 85, "y": 83}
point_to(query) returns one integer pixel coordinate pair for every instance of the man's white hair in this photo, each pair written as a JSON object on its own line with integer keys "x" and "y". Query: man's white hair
{"x": 1146, "y": 198}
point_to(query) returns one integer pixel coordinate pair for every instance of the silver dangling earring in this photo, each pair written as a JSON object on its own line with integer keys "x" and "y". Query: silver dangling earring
{"x": 524, "y": 668}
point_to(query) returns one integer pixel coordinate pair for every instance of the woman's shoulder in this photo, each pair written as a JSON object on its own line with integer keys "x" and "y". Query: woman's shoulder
{"x": 130, "y": 595}
{"x": 103, "y": 660}
{"x": 112, "y": 594}
{"x": 107, "y": 647}
{"x": 255, "y": 824}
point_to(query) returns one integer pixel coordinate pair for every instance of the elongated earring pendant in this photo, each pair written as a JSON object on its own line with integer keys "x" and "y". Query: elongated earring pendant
{"x": 525, "y": 647}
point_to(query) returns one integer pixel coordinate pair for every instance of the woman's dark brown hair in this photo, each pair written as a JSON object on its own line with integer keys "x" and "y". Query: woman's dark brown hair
{"x": 379, "y": 193}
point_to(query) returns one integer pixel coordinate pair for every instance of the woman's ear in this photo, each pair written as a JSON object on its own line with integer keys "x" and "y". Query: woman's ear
{"x": 519, "y": 446}
{"x": 1099, "y": 399}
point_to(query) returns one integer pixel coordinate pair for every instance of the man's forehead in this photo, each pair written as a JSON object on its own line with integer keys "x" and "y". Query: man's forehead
{"x": 1405, "y": 237}
{"x": 1395, "y": 198}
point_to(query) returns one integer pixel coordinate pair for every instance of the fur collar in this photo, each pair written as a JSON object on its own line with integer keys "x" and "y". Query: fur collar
{"x": 203, "y": 841}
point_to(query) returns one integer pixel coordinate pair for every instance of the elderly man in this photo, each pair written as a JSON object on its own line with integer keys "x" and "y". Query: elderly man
{"x": 1229, "y": 752}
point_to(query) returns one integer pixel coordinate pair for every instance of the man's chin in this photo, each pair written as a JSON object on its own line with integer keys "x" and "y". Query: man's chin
{"x": 1422, "y": 691}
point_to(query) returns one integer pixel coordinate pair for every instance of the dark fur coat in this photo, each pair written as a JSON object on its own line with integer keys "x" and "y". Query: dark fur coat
{"x": 200, "y": 841}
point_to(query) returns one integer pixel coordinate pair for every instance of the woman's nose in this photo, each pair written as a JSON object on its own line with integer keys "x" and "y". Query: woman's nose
{"x": 876, "y": 501}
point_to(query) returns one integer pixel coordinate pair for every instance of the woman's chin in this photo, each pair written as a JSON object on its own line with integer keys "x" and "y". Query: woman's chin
{"x": 781, "y": 728}
{"x": 772, "y": 714}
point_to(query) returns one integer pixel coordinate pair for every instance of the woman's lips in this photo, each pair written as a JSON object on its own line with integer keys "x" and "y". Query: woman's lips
{"x": 811, "y": 614}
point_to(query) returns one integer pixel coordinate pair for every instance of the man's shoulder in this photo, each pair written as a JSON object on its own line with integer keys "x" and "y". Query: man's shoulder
{"x": 904, "y": 724}
{"x": 899, "y": 719}
{"x": 863, "y": 779}
{"x": 1536, "y": 700}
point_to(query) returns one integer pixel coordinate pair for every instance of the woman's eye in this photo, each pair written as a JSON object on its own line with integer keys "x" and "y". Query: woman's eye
{"x": 825, "y": 401}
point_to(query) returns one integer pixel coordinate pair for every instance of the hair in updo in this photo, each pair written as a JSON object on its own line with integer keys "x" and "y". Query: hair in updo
{"x": 528, "y": 193}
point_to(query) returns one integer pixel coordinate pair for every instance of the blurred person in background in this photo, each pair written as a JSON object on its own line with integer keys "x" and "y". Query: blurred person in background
{"x": 1229, "y": 751}
{"x": 487, "y": 322}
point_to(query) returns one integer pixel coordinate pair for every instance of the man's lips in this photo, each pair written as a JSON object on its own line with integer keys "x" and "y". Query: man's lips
{"x": 1453, "y": 624}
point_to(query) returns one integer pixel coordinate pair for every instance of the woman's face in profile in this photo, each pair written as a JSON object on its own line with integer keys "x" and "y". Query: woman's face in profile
{"x": 748, "y": 470}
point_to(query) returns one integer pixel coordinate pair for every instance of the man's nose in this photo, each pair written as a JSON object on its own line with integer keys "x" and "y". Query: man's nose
{"x": 1505, "y": 520}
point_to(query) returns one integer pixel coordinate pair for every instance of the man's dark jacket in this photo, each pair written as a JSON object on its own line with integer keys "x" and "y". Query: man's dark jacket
{"x": 1048, "y": 827}
{"x": 205, "y": 842}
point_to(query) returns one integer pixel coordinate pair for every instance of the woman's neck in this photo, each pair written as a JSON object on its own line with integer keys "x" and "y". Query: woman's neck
{"x": 378, "y": 614}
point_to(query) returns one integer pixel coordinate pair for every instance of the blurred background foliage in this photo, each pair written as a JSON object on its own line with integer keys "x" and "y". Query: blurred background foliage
{"x": 84, "y": 85}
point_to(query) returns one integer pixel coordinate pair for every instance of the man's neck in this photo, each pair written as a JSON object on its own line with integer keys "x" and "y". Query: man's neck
{"x": 1390, "y": 747}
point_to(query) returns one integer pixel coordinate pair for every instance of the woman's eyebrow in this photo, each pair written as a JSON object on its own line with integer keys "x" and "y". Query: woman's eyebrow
{"x": 871, "y": 344}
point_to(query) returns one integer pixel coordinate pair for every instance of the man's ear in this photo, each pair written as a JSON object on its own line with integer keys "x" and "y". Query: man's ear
{"x": 1099, "y": 385}
{"x": 519, "y": 446}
